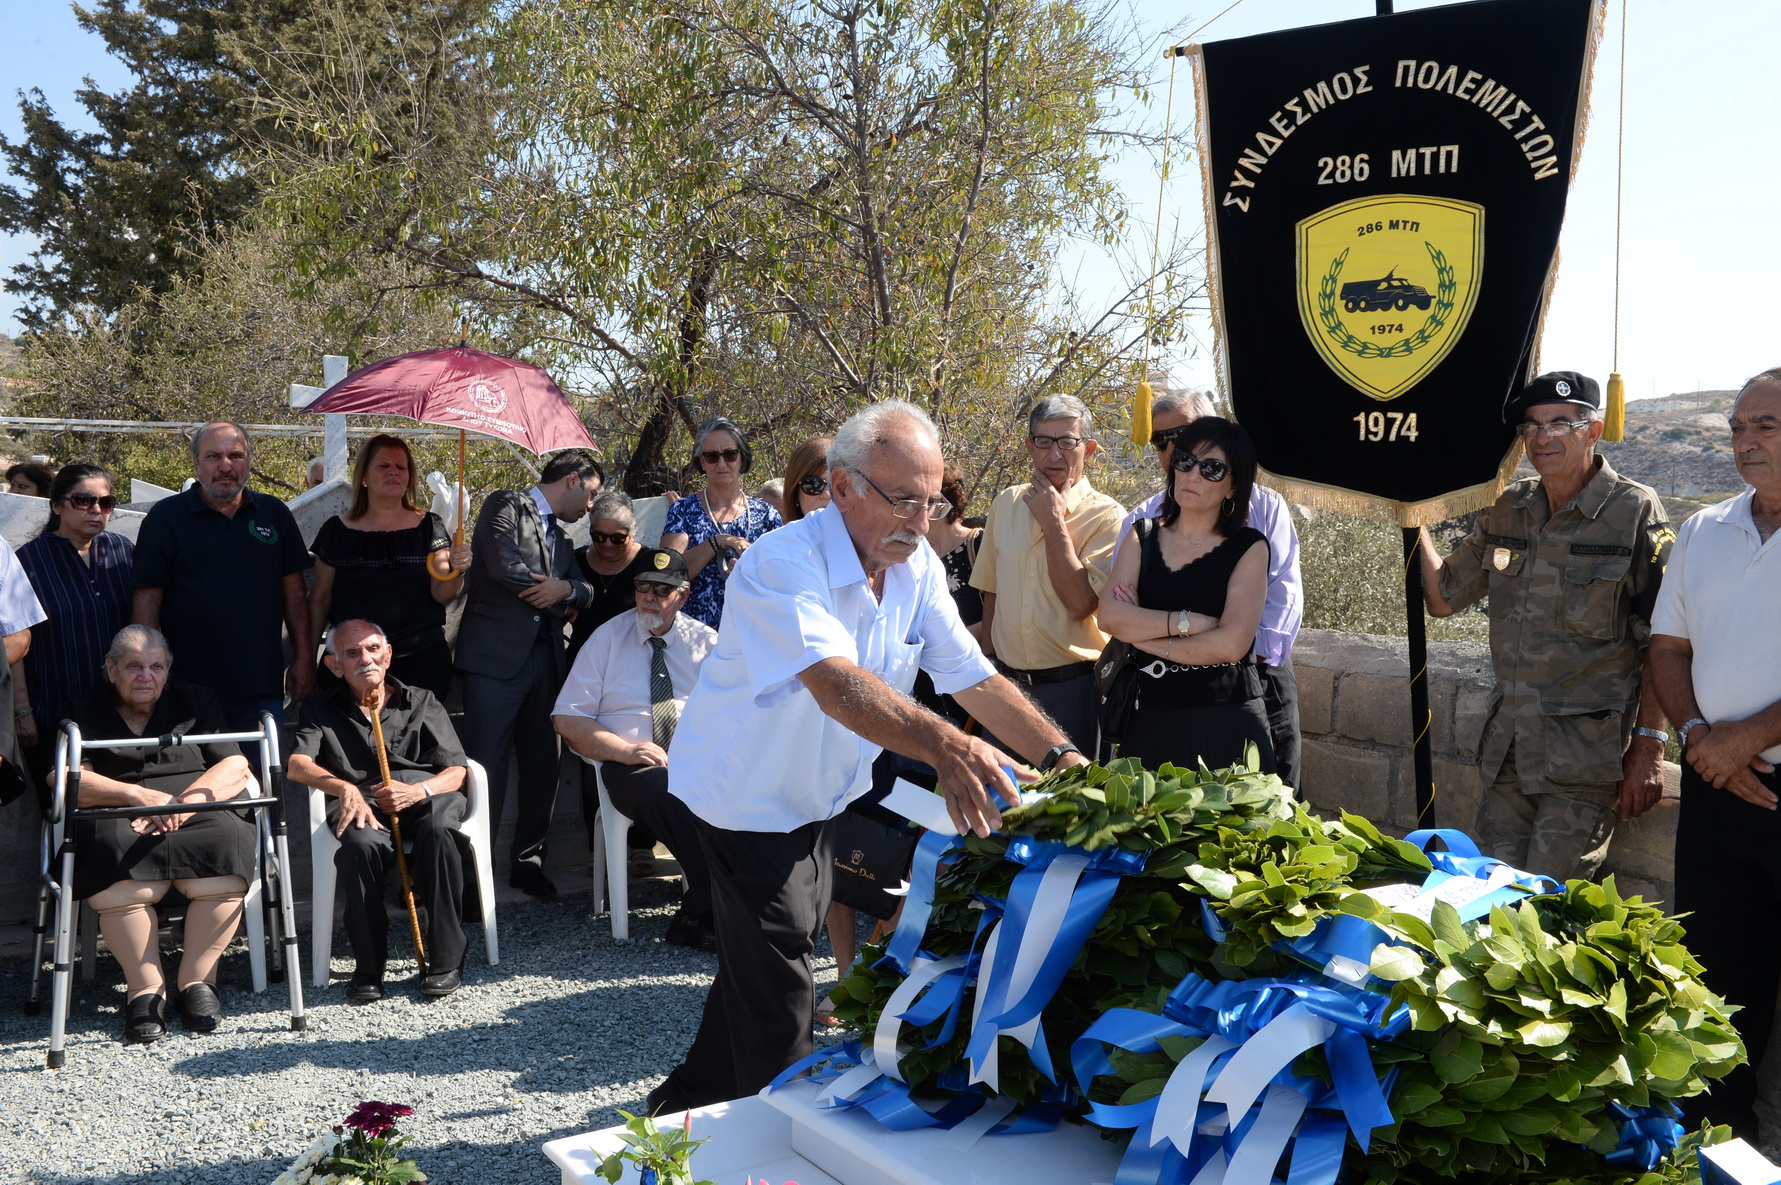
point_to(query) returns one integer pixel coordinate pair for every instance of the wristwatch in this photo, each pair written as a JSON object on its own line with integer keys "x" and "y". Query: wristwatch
{"x": 1688, "y": 726}
{"x": 1656, "y": 734}
{"x": 1054, "y": 755}
{"x": 1182, "y": 624}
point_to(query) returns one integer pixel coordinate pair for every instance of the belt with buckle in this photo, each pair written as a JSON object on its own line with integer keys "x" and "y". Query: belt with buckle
{"x": 1047, "y": 675}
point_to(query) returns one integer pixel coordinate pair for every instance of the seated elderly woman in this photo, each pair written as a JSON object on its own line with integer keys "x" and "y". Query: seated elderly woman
{"x": 123, "y": 867}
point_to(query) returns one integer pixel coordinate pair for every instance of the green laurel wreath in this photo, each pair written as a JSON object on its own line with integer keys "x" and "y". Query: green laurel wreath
{"x": 1446, "y": 289}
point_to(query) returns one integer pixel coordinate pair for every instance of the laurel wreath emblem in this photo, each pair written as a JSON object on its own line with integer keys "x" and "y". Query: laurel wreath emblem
{"x": 1446, "y": 290}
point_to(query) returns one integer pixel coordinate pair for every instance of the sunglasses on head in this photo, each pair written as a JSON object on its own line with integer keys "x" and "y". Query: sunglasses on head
{"x": 1211, "y": 468}
{"x": 712, "y": 456}
{"x": 613, "y": 538}
{"x": 88, "y": 501}
{"x": 814, "y": 484}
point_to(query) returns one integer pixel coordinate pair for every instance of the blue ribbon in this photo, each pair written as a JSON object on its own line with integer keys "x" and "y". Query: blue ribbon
{"x": 918, "y": 906}
{"x": 1647, "y": 1135}
{"x": 894, "y": 1106}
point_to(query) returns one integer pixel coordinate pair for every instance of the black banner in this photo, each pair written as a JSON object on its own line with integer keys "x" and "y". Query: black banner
{"x": 1384, "y": 201}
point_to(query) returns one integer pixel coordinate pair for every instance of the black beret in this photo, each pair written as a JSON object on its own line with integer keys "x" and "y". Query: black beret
{"x": 1558, "y": 386}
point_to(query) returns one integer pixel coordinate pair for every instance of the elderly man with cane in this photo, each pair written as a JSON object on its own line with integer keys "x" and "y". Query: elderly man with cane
{"x": 826, "y": 622}
{"x": 399, "y": 771}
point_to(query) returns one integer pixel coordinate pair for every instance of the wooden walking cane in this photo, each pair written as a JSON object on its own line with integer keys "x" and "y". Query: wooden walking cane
{"x": 374, "y": 706}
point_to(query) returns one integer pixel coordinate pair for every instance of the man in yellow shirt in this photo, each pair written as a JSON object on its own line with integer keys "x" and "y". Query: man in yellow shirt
{"x": 1045, "y": 554}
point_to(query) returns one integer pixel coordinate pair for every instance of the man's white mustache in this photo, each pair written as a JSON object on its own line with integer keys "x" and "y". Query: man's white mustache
{"x": 366, "y": 669}
{"x": 908, "y": 537}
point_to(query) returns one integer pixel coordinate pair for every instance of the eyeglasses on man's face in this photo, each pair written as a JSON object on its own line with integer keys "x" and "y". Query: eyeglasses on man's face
{"x": 1045, "y": 444}
{"x": 814, "y": 484}
{"x": 1556, "y": 431}
{"x": 728, "y": 456}
{"x": 936, "y": 508}
{"x": 1211, "y": 468}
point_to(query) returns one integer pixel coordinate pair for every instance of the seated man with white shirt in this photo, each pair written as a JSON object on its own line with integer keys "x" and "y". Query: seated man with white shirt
{"x": 619, "y": 707}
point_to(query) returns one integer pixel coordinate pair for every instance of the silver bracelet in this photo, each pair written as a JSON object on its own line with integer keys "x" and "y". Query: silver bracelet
{"x": 1656, "y": 734}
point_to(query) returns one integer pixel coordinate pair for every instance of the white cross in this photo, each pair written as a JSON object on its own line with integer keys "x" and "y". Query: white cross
{"x": 333, "y": 423}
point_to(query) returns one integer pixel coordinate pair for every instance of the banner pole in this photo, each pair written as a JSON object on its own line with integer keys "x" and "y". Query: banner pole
{"x": 1416, "y": 633}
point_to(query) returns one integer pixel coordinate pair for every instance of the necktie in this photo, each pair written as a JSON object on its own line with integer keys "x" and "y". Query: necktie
{"x": 550, "y": 541}
{"x": 662, "y": 712}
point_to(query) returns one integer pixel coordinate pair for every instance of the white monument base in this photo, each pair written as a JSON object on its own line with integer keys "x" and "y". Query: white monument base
{"x": 785, "y": 1137}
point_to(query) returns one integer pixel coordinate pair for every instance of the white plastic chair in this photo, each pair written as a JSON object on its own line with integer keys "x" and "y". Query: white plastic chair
{"x": 323, "y": 844}
{"x": 611, "y": 863}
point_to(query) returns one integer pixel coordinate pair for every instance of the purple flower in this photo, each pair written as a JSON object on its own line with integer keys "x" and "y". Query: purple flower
{"x": 375, "y": 1119}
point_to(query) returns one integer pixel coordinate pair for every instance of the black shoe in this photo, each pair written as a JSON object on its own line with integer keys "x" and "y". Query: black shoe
{"x": 442, "y": 983}
{"x": 530, "y": 880}
{"x": 145, "y": 1019}
{"x": 200, "y": 1007}
{"x": 692, "y": 932}
{"x": 365, "y": 989}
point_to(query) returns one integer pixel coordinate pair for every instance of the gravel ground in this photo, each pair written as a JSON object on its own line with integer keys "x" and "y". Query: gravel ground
{"x": 568, "y": 1028}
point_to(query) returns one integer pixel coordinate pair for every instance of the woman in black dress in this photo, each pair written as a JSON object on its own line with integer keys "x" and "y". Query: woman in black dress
{"x": 123, "y": 867}
{"x": 609, "y": 563}
{"x": 390, "y": 562}
{"x": 1190, "y": 596}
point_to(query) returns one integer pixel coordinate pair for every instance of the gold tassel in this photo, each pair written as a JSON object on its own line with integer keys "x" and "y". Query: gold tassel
{"x": 1614, "y": 423}
{"x": 1141, "y": 416}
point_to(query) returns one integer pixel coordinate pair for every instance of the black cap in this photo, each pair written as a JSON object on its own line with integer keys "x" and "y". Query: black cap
{"x": 663, "y": 567}
{"x": 1558, "y": 386}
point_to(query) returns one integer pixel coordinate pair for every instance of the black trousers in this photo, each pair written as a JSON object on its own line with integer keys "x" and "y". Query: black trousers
{"x": 1073, "y": 705}
{"x": 1728, "y": 878}
{"x": 769, "y": 892}
{"x": 366, "y": 864}
{"x": 1280, "y": 696}
{"x": 640, "y": 793}
{"x": 507, "y": 716}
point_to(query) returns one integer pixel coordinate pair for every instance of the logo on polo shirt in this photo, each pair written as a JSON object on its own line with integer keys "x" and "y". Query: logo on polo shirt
{"x": 262, "y": 532}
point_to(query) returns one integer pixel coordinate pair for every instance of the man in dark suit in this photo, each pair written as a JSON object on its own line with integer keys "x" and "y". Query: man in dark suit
{"x": 511, "y": 647}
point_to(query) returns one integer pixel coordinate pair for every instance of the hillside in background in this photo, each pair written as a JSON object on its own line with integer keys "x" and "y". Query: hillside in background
{"x": 1680, "y": 446}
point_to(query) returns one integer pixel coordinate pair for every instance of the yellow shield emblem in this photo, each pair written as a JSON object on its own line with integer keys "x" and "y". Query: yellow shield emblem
{"x": 1387, "y": 284}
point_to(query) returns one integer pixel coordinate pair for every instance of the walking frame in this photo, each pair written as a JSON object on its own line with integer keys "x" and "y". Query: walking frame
{"x": 273, "y": 862}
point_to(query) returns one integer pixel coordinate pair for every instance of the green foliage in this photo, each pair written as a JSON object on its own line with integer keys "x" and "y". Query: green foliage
{"x": 650, "y": 1147}
{"x": 1354, "y": 578}
{"x": 1524, "y": 1026}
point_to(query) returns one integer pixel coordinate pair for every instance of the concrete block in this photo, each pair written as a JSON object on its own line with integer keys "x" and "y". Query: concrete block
{"x": 1317, "y": 694}
{"x": 1374, "y": 707}
{"x": 22, "y": 519}
{"x": 1471, "y": 712}
{"x": 1459, "y": 796}
{"x": 1340, "y": 778}
{"x": 314, "y": 507}
{"x": 1646, "y": 846}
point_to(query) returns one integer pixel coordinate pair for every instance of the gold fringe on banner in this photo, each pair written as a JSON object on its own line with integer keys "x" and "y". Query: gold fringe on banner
{"x": 1404, "y": 514}
{"x": 1196, "y": 59}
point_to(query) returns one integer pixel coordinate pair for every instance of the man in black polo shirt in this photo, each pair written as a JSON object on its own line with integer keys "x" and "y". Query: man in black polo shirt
{"x": 218, "y": 569}
{"x": 334, "y": 752}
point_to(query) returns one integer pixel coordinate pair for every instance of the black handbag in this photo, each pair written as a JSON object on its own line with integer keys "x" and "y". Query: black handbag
{"x": 1116, "y": 671}
{"x": 871, "y": 856}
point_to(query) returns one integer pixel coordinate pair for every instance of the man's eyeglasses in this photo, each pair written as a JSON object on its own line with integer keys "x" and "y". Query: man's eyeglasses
{"x": 613, "y": 539}
{"x": 1211, "y": 468}
{"x": 1068, "y": 444}
{"x": 1162, "y": 438}
{"x": 1558, "y": 431}
{"x": 814, "y": 484}
{"x": 911, "y": 507}
{"x": 84, "y": 501}
{"x": 712, "y": 456}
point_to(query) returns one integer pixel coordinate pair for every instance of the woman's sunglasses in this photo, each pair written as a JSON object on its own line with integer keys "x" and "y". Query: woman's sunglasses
{"x": 814, "y": 484}
{"x": 1211, "y": 468}
{"x": 712, "y": 456}
{"x": 613, "y": 539}
{"x": 105, "y": 502}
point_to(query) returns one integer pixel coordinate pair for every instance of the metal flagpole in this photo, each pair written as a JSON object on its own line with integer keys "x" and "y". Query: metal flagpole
{"x": 1416, "y": 634}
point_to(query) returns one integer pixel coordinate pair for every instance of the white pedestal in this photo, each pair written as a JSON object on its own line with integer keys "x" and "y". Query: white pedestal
{"x": 852, "y": 1147}
{"x": 748, "y": 1139}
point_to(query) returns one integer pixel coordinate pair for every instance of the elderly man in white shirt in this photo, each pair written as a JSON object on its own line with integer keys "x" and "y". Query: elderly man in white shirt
{"x": 1716, "y": 663}
{"x": 826, "y": 622}
{"x": 19, "y": 611}
{"x": 621, "y": 706}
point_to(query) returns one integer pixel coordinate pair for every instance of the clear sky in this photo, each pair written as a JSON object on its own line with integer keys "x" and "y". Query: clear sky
{"x": 1702, "y": 250}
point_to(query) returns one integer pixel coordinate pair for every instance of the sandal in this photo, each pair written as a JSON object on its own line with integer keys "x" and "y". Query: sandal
{"x": 825, "y": 1014}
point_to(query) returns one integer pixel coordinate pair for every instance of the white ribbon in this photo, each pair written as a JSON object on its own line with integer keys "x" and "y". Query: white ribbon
{"x": 1051, "y": 903}
{"x": 854, "y": 1080}
{"x": 969, "y": 1130}
{"x": 1212, "y": 1172}
{"x": 1254, "y": 1160}
{"x": 885, "y": 1047}
{"x": 1264, "y": 1055}
{"x": 1179, "y": 1103}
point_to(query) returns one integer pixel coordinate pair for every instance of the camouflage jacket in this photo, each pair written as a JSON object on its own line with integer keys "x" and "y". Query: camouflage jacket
{"x": 1571, "y": 596}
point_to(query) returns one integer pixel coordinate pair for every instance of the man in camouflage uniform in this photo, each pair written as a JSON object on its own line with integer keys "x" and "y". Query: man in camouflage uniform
{"x": 1571, "y": 561}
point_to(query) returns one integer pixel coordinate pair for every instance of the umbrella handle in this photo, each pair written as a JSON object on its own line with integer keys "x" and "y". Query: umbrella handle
{"x": 459, "y": 538}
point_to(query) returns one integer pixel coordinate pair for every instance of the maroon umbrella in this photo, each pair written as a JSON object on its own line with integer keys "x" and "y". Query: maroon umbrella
{"x": 468, "y": 390}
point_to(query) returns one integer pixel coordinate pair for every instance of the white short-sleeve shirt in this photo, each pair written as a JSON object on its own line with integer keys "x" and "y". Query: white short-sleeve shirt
{"x": 1722, "y": 592}
{"x": 19, "y": 610}
{"x": 753, "y": 751}
{"x": 609, "y": 682}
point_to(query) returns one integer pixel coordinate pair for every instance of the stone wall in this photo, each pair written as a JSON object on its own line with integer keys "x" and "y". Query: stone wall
{"x": 1354, "y": 709}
